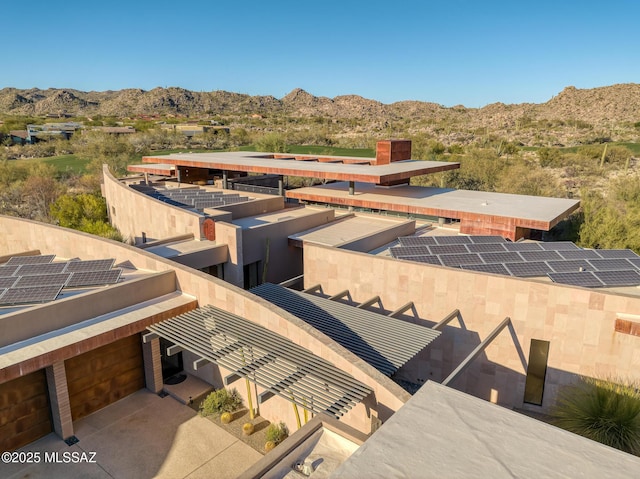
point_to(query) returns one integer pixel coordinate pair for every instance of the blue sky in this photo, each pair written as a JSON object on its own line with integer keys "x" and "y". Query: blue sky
{"x": 449, "y": 52}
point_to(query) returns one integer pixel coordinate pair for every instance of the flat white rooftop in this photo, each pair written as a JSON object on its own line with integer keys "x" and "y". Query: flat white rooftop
{"x": 527, "y": 211}
{"x": 348, "y": 229}
{"x": 276, "y": 217}
{"x": 441, "y": 432}
{"x": 326, "y": 167}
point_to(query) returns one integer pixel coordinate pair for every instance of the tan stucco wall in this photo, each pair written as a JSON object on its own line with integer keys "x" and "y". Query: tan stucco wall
{"x": 22, "y": 235}
{"x": 134, "y": 213}
{"x": 259, "y": 205}
{"x": 579, "y": 323}
{"x": 285, "y": 261}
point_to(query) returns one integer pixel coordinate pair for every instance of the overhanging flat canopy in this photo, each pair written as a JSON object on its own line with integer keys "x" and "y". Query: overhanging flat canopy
{"x": 269, "y": 360}
{"x": 384, "y": 342}
{"x": 300, "y": 165}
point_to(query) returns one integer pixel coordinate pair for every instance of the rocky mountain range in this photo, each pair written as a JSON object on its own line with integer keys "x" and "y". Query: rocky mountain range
{"x": 597, "y": 106}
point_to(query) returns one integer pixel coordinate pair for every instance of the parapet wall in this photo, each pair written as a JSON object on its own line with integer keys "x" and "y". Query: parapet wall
{"x": 140, "y": 218}
{"x": 579, "y": 323}
{"x": 24, "y": 235}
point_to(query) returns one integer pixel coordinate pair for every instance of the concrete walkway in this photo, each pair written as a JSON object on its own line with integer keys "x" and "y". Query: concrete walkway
{"x": 141, "y": 436}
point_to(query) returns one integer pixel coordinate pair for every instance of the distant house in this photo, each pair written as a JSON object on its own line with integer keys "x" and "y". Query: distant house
{"x": 115, "y": 130}
{"x": 191, "y": 130}
{"x": 18, "y": 137}
{"x": 50, "y": 131}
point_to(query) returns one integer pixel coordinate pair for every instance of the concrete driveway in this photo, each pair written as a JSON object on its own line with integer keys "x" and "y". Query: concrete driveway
{"x": 140, "y": 436}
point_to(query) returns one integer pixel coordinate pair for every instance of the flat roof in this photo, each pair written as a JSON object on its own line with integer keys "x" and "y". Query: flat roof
{"x": 346, "y": 230}
{"x": 327, "y": 167}
{"x": 534, "y": 212}
{"x": 286, "y": 214}
{"x": 178, "y": 248}
{"x": 155, "y": 169}
{"x": 441, "y": 432}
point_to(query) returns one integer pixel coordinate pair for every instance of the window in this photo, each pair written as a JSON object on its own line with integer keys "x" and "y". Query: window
{"x": 536, "y": 372}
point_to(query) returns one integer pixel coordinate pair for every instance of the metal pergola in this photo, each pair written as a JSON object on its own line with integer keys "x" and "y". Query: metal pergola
{"x": 274, "y": 363}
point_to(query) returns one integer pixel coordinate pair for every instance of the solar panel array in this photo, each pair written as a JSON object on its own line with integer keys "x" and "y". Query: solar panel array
{"x": 197, "y": 198}
{"x": 37, "y": 279}
{"x": 562, "y": 261}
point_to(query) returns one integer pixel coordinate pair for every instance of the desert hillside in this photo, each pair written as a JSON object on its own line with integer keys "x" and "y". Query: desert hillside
{"x": 616, "y": 103}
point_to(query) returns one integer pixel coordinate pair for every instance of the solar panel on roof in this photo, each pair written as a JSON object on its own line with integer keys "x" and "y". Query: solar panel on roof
{"x": 618, "y": 278}
{"x": 43, "y": 280}
{"x": 559, "y": 246}
{"x": 585, "y": 279}
{"x": 449, "y": 249}
{"x": 400, "y": 251}
{"x": 495, "y": 268}
{"x": 416, "y": 240}
{"x": 634, "y": 261}
{"x": 616, "y": 253}
{"x": 522, "y": 247}
{"x": 485, "y": 247}
{"x": 612, "y": 264}
{"x": 35, "y": 259}
{"x": 93, "y": 278}
{"x": 430, "y": 259}
{"x": 487, "y": 239}
{"x": 8, "y": 270}
{"x": 540, "y": 255}
{"x": 455, "y": 260}
{"x": 38, "y": 294}
{"x": 567, "y": 265}
{"x": 7, "y": 281}
{"x": 90, "y": 265}
{"x": 38, "y": 269}
{"x": 579, "y": 254}
{"x": 506, "y": 257}
{"x": 452, "y": 239}
{"x": 528, "y": 270}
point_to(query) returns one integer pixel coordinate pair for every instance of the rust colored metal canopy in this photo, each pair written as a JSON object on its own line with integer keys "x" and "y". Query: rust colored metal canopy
{"x": 309, "y": 166}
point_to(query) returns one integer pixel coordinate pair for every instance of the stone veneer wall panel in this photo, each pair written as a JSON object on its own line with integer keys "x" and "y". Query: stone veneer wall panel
{"x": 21, "y": 235}
{"x": 579, "y": 323}
{"x": 133, "y": 213}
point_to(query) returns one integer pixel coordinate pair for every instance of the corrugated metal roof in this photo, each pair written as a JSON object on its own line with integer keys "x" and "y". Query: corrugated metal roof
{"x": 384, "y": 342}
{"x": 264, "y": 357}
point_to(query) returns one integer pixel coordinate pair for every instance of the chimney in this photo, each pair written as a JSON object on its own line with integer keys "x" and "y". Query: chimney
{"x": 388, "y": 151}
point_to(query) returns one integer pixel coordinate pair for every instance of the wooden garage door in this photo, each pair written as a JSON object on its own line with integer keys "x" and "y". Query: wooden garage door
{"x": 24, "y": 411}
{"x": 102, "y": 376}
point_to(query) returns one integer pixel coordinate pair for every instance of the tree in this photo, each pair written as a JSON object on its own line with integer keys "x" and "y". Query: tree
{"x": 102, "y": 148}
{"x": 84, "y": 212}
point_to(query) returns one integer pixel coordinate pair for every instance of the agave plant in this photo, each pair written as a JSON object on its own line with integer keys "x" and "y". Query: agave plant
{"x": 603, "y": 410}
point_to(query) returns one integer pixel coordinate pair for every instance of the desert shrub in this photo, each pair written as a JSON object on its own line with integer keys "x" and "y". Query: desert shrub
{"x": 221, "y": 401}
{"x": 272, "y": 143}
{"x": 277, "y": 433}
{"x": 605, "y": 411}
{"x": 550, "y": 157}
{"x": 612, "y": 221}
{"x": 522, "y": 179}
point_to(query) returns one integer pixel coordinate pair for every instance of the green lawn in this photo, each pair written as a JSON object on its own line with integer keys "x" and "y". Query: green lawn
{"x": 73, "y": 164}
{"x": 62, "y": 163}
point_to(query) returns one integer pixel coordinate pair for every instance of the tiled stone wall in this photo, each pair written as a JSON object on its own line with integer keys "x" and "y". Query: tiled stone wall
{"x": 23, "y": 235}
{"x": 579, "y": 323}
